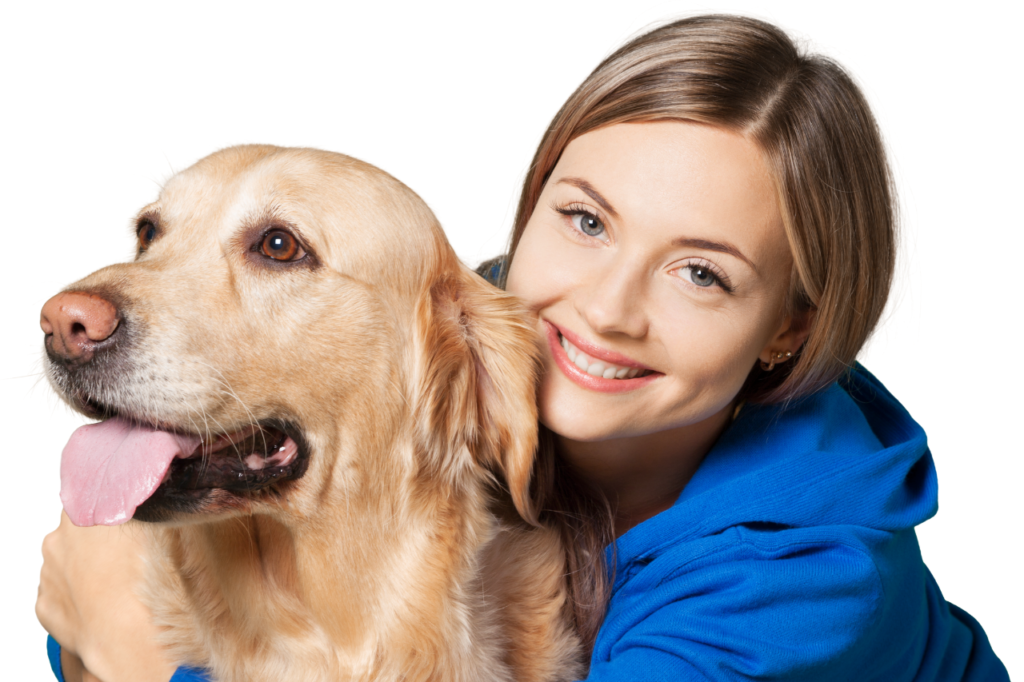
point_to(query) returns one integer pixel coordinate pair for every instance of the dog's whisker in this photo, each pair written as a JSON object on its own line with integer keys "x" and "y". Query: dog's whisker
{"x": 227, "y": 389}
{"x": 38, "y": 375}
{"x": 200, "y": 413}
{"x": 302, "y": 425}
{"x": 253, "y": 423}
{"x": 209, "y": 435}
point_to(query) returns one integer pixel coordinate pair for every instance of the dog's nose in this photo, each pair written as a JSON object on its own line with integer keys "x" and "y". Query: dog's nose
{"x": 74, "y": 322}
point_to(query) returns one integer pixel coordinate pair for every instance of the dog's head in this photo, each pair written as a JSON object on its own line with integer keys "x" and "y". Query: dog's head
{"x": 294, "y": 328}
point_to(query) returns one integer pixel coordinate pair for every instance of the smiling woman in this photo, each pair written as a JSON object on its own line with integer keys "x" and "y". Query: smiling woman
{"x": 707, "y": 237}
{"x": 659, "y": 265}
{"x": 657, "y": 280}
{"x": 707, "y": 234}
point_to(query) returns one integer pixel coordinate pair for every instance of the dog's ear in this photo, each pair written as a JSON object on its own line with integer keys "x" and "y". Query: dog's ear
{"x": 478, "y": 366}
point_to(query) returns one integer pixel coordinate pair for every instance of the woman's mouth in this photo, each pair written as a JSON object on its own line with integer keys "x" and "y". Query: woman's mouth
{"x": 594, "y": 368}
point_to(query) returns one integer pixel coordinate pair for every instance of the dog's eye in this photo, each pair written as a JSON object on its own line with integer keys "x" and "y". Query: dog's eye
{"x": 146, "y": 233}
{"x": 281, "y": 245}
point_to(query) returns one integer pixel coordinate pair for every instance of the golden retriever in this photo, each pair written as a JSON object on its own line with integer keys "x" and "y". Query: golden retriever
{"x": 329, "y": 420}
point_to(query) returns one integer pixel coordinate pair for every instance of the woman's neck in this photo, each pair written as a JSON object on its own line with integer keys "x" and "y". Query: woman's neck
{"x": 644, "y": 475}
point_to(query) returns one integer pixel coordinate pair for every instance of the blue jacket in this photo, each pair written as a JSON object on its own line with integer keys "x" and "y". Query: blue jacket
{"x": 791, "y": 555}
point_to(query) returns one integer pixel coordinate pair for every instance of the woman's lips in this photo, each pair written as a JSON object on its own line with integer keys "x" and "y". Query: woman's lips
{"x": 581, "y": 377}
{"x": 597, "y": 352}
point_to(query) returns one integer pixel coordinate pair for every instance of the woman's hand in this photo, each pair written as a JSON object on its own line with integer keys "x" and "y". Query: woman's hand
{"x": 87, "y": 601}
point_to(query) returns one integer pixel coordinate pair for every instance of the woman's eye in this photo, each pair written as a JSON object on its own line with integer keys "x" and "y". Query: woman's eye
{"x": 281, "y": 245}
{"x": 589, "y": 225}
{"x": 699, "y": 275}
{"x": 146, "y": 233}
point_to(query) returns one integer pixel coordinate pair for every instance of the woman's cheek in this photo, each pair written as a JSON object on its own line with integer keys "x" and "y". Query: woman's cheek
{"x": 712, "y": 351}
{"x": 549, "y": 266}
{"x": 533, "y": 272}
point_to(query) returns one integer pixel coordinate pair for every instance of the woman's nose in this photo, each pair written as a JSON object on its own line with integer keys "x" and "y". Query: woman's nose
{"x": 613, "y": 302}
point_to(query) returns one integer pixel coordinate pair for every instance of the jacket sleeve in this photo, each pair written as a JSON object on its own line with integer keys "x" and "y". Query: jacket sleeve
{"x": 189, "y": 675}
{"x": 53, "y": 653}
{"x": 802, "y": 610}
{"x": 180, "y": 675}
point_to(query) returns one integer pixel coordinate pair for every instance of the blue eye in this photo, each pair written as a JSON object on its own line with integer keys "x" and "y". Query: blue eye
{"x": 585, "y": 221}
{"x": 700, "y": 276}
{"x": 588, "y": 224}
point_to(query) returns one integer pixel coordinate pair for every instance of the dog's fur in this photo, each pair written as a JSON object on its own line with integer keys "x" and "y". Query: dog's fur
{"x": 409, "y": 548}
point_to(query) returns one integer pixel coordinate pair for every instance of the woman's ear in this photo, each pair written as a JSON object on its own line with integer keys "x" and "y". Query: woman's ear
{"x": 479, "y": 362}
{"x": 790, "y": 336}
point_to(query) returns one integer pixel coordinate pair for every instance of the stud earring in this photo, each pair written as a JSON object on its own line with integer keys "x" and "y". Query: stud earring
{"x": 776, "y": 357}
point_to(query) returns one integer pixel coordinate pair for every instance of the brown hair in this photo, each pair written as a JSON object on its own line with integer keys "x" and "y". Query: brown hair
{"x": 835, "y": 190}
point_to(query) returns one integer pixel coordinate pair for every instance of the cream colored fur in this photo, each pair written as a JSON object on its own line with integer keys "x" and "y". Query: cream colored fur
{"x": 392, "y": 558}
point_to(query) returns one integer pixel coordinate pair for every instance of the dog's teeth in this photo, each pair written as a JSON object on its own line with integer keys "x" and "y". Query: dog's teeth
{"x": 255, "y": 462}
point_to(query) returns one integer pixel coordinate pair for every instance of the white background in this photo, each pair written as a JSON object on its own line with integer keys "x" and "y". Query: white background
{"x": 102, "y": 103}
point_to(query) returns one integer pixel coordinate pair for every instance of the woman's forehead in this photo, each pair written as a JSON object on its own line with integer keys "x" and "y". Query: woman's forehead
{"x": 678, "y": 179}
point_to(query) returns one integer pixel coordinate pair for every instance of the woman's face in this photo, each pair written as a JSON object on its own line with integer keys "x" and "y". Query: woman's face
{"x": 658, "y": 265}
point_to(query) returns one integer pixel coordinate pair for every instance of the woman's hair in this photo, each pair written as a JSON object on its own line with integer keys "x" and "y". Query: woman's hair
{"x": 826, "y": 156}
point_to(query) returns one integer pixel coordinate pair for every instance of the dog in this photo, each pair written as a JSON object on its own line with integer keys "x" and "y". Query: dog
{"x": 326, "y": 424}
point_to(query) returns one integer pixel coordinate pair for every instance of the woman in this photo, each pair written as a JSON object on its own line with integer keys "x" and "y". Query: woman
{"x": 707, "y": 236}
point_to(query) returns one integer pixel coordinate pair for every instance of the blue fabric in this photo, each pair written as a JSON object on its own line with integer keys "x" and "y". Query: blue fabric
{"x": 53, "y": 653}
{"x": 791, "y": 555}
{"x": 189, "y": 675}
{"x": 180, "y": 675}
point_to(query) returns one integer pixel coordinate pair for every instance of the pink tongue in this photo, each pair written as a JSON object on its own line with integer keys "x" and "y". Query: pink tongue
{"x": 109, "y": 469}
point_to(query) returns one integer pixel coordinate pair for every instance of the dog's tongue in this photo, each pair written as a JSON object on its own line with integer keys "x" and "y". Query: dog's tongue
{"x": 110, "y": 468}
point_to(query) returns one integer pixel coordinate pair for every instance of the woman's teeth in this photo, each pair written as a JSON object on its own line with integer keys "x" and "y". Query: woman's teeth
{"x": 599, "y": 368}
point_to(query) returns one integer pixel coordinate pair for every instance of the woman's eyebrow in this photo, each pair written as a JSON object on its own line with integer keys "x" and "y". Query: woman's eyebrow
{"x": 714, "y": 246}
{"x": 589, "y": 190}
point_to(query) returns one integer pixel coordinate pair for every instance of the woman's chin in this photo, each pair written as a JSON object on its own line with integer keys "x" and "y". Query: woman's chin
{"x": 577, "y": 418}
{"x": 577, "y": 414}
{"x": 577, "y": 432}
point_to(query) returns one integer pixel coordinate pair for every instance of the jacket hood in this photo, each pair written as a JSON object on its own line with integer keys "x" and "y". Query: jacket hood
{"x": 847, "y": 455}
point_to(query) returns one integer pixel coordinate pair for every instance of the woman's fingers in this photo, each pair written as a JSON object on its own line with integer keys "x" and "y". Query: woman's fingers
{"x": 55, "y": 607}
{"x": 88, "y": 601}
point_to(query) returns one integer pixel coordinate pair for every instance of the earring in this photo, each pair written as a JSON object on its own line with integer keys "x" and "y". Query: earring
{"x": 776, "y": 357}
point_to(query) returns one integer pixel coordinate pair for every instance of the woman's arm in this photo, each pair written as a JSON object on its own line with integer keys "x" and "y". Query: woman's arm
{"x": 839, "y": 603}
{"x": 87, "y": 601}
